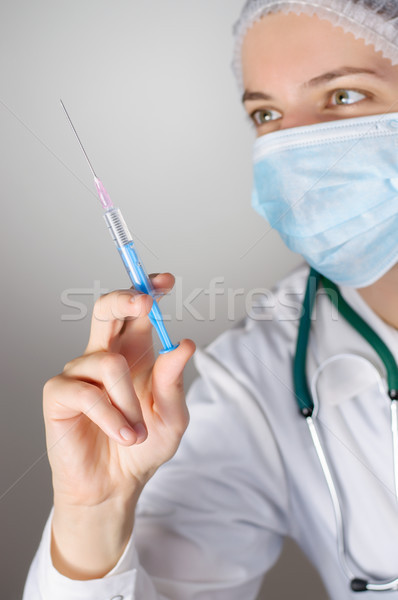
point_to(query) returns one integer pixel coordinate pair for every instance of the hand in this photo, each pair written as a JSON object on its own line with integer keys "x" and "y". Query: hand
{"x": 112, "y": 418}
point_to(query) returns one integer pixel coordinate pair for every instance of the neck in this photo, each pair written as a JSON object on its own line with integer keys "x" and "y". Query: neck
{"x": 382, "y": 297}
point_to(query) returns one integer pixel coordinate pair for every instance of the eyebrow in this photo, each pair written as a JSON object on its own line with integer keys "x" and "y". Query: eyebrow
{"x": 325, "y": 77}
{"x": 339, "y": 73}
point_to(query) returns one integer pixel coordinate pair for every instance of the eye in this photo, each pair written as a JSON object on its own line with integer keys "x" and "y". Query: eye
{"x": 344, "y": 97}
{"x": 265, "y": 116}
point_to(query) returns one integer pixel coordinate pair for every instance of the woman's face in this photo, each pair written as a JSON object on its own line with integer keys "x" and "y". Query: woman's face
{"x": 300, "y": 70}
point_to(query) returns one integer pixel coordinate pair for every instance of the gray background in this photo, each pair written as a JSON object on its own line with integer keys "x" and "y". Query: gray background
{"x": 151, "y": 92}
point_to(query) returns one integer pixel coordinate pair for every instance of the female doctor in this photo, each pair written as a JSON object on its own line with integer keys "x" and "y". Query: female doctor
{"x": 293, "y": 420}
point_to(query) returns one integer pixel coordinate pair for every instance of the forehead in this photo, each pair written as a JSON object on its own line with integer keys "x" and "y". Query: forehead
{"x": 295, "y": 47}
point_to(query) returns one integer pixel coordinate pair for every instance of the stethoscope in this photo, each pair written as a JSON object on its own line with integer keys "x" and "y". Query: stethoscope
{"x": 308, "y": 403}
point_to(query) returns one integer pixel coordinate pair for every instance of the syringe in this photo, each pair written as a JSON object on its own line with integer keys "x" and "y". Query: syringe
{"x": 125, "y": 245}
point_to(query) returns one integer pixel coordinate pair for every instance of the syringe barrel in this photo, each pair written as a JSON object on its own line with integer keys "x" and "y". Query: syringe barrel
{"x": 117, "y": 227}
{"x": 124, "y": 243}
{"x": 136, "y": 271}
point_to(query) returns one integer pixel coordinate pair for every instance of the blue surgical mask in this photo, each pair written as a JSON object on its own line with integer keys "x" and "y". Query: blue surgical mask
{"x": 331, "y": 190}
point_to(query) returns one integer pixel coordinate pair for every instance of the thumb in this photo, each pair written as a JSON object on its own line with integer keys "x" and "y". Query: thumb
{"x": 168, "y": 383}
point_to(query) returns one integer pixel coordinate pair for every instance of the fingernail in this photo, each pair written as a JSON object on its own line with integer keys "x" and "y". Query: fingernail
{"x": 141, "y": 432}
{"x": 127, "y": 434}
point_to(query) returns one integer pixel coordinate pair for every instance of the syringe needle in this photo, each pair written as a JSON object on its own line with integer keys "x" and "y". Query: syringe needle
{"x": 78, "y": 139}
{"x": 102, "y": 193}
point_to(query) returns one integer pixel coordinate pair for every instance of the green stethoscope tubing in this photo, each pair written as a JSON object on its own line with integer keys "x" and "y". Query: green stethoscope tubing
{"x": 302, "y": 391}
{"x": 306, "y": 403}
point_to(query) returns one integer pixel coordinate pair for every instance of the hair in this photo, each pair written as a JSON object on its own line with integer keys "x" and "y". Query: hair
{"x": 387, "y": 8}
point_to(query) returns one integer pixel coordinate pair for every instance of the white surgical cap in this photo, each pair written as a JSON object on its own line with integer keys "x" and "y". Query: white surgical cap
{"x": 375, "y": 21}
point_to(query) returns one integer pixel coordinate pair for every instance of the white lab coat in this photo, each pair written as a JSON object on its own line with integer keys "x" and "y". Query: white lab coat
{"x": 212, "y": 521}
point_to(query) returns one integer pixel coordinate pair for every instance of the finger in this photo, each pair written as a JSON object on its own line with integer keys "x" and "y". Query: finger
{"x": 163, "y": 283}
{"x": 111, "y": 313}
{"x": 66, "y": 399}
{"x": 168, "y": 385}
{"x": 137, "y": 341}
{"x": 111, "y": 371}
